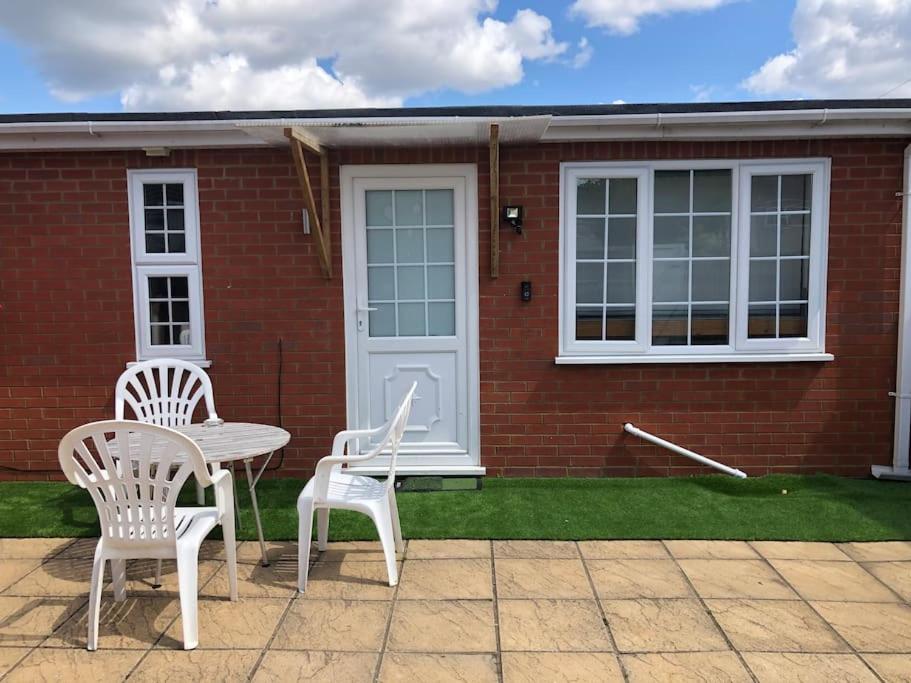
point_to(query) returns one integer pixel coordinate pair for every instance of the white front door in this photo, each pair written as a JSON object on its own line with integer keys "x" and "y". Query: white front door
{"x": 410, "y": 269}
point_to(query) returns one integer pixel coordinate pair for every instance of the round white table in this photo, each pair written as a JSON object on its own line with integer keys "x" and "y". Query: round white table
{"x": 229, "y": 442}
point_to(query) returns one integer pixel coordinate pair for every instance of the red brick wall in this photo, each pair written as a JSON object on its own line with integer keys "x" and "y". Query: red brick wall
{"x": 67, "y": 320}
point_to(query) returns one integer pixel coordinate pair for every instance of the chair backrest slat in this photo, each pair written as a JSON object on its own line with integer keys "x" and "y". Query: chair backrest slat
{"x": 133, "y": 471}
{"x": 164, "y": 392}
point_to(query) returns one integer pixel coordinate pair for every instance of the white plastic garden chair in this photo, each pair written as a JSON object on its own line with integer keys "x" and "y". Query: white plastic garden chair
{"x": 331, "y": 487}
{"x": 136, "y": 499}
{"x": 165, "y": 391}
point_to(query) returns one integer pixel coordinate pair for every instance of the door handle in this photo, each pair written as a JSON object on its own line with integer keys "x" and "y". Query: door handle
{"x": 365, "y": 309}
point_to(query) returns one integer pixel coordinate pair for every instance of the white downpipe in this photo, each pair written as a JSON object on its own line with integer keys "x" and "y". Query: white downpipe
{"x": 635, "y": 431}
{"x": 902, "y": 437}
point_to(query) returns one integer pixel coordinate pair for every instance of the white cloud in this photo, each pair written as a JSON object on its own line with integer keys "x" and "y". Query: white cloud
{"x": 584, "y": 54}
{"x": 844, "y": 48}
{"x": 623, "y": 16}
{"x": 702, "y": 92}
{"x": 208, "y": 54}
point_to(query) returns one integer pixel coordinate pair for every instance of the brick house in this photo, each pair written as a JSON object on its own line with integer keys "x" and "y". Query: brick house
{"x": 727, "y": 276}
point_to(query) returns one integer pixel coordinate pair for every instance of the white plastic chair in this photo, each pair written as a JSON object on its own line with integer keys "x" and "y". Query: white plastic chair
{"x": 331, "y": 488}
{"x": 165, "y": 391}
{"x": 136, "y": 496}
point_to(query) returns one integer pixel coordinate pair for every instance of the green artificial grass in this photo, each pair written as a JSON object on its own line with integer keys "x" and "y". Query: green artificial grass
{"x": 815, "y": 508}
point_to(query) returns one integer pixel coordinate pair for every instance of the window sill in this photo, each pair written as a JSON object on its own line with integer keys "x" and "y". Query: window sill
{"x": 201, "y": 362}
{"x": 720, "y": 358}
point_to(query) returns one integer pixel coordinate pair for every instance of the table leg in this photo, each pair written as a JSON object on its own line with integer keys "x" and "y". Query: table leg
{"x": 240, "y": 524}
{"x": 251, "y": 483}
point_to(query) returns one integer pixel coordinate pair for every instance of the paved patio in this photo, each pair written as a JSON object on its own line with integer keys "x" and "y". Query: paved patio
{"x": 477, "y": 611}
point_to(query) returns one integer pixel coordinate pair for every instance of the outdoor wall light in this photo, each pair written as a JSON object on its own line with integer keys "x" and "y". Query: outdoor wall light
{"x": 513, "y": 216}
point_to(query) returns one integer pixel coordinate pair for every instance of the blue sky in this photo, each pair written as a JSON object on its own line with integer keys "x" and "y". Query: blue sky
{"x": 92, "y": 55}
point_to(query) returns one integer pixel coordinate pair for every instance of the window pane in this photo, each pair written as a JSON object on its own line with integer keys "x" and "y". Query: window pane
{"x": 671, "y": 281}
{"x": 792, "y": 320}
{"x": 763, "y": 235}
{"x": 669, "y": 325}
{"x": 590, "y": 283}
{"x": 795, "y": 234}
{"x": 590, "y": 238}
{"x": 794, "y": 279}
{"x": 762, "y": 280}
{"x": 621, "y": 283}
{"x": 411, "y": 320}
{"x": 439, "y": 207}
{"x": 381, "y": 283}
{"x": 158, "y": 312}
{"x": 441, "y": 282}
{"x": 411, "y": 283}
{"x": 161, "y": 335}
{"x": 672, "y": 236}
{"x": 174, "y": 193}
{"x": 796, "y": 192}
{"x": 379, "y": 246}
{"x": 712, "y": 190}
{"x": 764, "y": 193}
{"x": 620, "y": 324}
{"x": 709, "y": 324}
{"x": 154, "y": 219}
{"x": 441, "y": 321}
{"x": 672, "y": 191}
{"x": 177, "y": 243}
{"x": 711, "y": 236}
{"x": 379, "y": 207}
{"x": 155, "y": 243}
{"x": 180, "y": 311}
{"x": 761, "y": 322}
{"x": 409, "y": 207}
{"x": 180, "y": 334}
{"x": 409, "y": 245}
{"x": 590, "y": 196}
{"x": 621, "y": 239}
{"x": 152, "y": 194}
{"x": 711, "y": 280}
{"x": 175, "y": 219}
{"x": 158, "y": 288}
{"x": 179, "y": 287}
{"x": 622, "y": 196}
{"x": 382, "y": 320}
{"x": 439, "y": 244}
{"x": 588, "y": 322}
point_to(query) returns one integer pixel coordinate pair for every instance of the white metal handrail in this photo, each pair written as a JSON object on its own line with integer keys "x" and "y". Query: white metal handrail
{"x": 635, "y": 431}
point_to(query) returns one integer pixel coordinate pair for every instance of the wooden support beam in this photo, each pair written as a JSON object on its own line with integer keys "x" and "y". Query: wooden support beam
{"x": 310, "y": 143}
{"x": 316, "y": 226}
{"x": 494, "y": 200}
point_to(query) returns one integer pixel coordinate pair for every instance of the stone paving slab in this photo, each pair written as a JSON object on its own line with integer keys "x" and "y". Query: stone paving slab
{"x": 470, "y": 610}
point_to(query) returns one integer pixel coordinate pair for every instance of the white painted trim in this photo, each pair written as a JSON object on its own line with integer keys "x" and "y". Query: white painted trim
{"x": 768, "y": 124}
{"x": 812, "y": 348}
{"x": 347, "y": 176}
{"x": 438, "y": 470}
{"x": 902, "y": 436}
{"x": 716, "y": 358}
{"x": 189, "y": 264}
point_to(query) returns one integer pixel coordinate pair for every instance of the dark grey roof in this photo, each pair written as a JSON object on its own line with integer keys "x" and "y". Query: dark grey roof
{"x": 483, "y": 111}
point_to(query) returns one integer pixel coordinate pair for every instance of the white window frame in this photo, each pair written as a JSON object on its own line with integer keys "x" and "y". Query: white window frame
{"x": 145, "y": 265}
{"x": 739, "y": 348}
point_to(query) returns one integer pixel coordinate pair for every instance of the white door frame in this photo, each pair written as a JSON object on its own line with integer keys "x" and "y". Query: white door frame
{"x": 348, "y": 174}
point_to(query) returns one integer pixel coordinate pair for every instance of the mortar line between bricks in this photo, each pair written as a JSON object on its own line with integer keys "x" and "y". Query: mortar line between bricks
{"x": 604, "y": 620}
{"x": 711, "y": 615}
{"x": 818, "y": 614}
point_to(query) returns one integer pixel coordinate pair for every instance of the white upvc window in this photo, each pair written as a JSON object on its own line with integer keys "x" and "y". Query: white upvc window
{"x": 709, "y": 260}
{"x": 167, "y": 273}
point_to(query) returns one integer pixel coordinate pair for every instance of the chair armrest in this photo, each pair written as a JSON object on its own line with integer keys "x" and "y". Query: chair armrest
{"x": 224, "y": 490}
{"x": 343, "y": 437}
